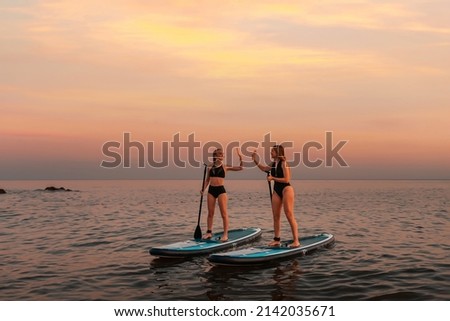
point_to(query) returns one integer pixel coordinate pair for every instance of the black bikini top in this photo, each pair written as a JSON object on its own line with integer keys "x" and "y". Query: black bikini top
{"x": 217, "y": 171}
{"x": 277, "y": 171}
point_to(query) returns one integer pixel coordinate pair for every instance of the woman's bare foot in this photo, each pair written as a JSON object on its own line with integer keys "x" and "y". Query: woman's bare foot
{"x": 224, "y": 237}
{"x": 207, "y": 236}
{"x": 276, "y": 242}
{"x": 294, "y": 244}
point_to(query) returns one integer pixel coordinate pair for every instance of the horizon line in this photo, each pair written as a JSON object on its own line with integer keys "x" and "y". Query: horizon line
{"x": 230, "y": 179}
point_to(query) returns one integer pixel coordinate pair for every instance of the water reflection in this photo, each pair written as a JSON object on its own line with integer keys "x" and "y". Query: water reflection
{"x": 160, "y": 262}
{"x": 273, "y": 281}
{"x": 286, "y": 280}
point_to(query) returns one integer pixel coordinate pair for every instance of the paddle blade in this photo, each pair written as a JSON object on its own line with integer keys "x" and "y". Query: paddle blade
{"x": 198, "y": 233}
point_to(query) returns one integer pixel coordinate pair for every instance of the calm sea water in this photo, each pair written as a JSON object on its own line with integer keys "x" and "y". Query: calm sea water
{"x": 392, "y": 242}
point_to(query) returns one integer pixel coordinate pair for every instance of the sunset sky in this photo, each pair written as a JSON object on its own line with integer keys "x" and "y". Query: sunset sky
{"x": 77, "y": 74}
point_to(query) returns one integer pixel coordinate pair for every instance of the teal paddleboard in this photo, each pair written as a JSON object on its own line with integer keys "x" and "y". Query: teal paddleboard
{"x": 193, "y": 247}
{"x": 264, "y": 254}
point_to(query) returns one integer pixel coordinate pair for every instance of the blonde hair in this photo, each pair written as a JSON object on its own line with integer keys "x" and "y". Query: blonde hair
{"x": 217, "y": 151}
{"x": 279, "y": 150}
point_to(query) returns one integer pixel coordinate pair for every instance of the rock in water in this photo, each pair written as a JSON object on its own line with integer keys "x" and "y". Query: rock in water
{"x": 55, "y": 189}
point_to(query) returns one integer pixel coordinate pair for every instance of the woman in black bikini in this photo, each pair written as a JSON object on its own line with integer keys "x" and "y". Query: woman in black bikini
{"x": 280, "y": 173}
{"x": 216, "y": 191}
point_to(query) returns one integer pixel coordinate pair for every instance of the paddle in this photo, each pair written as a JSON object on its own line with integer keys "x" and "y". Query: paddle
{"x": 198, "y": 230}
{"x": 270, "y": 187}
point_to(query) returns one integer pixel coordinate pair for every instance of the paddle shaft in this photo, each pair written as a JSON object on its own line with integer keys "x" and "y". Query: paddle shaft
{"x": 270, "y": 187}
{"x": 198, "y": 230}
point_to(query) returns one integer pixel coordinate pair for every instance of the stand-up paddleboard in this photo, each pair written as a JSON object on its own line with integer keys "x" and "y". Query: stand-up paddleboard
{"x": 264, "y": 254}
{"x": 193, "y": 247}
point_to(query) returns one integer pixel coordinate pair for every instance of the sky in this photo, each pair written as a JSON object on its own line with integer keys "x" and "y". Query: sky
{"x": 76, "y": 75}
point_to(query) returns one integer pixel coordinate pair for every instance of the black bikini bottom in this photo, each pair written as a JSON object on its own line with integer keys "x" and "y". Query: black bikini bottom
{"x": 279, "y": 187}
{"x": 216, "y": 190}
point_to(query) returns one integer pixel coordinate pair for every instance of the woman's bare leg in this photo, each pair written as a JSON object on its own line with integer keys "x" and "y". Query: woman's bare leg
{"x": 276, "y": 212}
{"x": 210, "y": 219}
{"x": 222, "y": 199}
{"x": 288, "y": 205}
